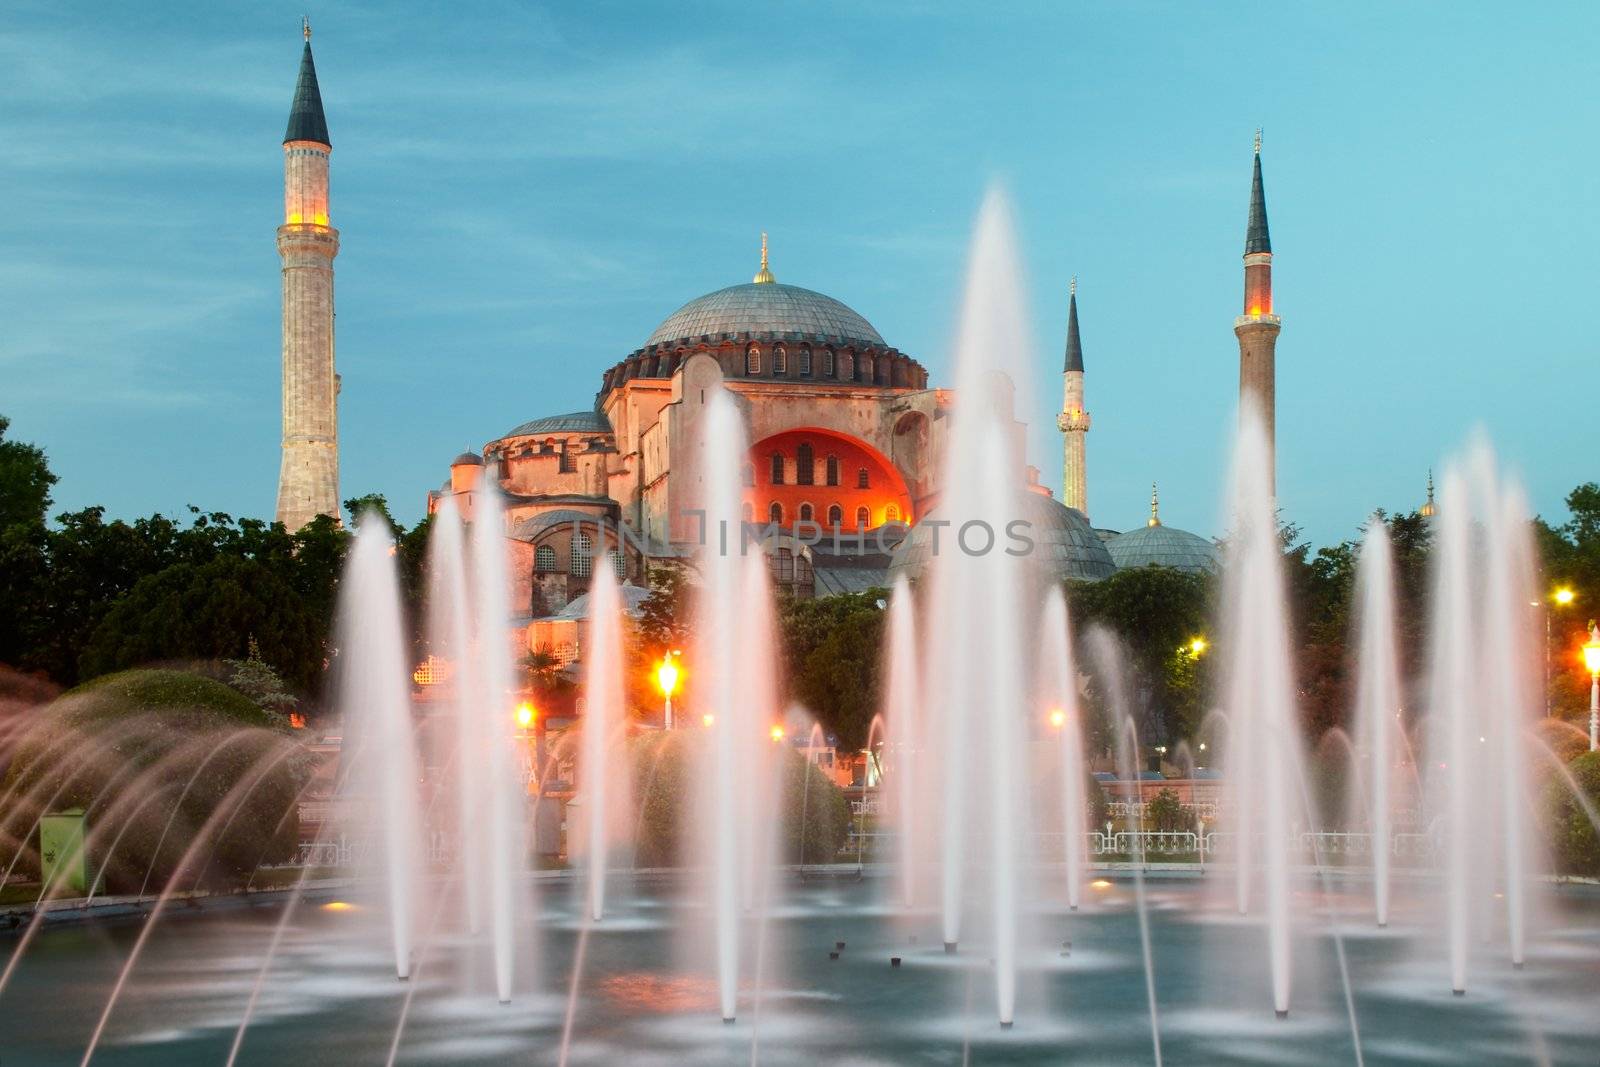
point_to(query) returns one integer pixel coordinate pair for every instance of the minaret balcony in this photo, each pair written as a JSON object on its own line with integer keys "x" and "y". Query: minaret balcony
{"x": 1072, "y": 421}
{"x": 1251, "y": 320}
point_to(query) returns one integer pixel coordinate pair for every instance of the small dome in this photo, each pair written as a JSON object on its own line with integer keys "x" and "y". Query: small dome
{"x": 572, "y": 422}
{"x": 766, "y": 307}
{"x": 1163, "y": 546}
{"x": 1062, "y": 537}
{"x": 467, "y": 459}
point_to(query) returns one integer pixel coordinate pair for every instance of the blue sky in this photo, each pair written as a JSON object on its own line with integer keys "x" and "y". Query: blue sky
{"x": 524, "y": 191}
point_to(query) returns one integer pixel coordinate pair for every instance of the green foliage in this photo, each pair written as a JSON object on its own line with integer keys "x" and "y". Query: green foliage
{"x": 814, "y": 810}
{"x": 1167, "y": 813}
{"x": 1574, "y": 843}
{"x": 25, "y": 481}
{"x": 1155, "y": 612}
{"x": 151, "y": 755}
{"x": 833, "y": 648}
{"x": 256, "y": 679}
{"x": 211, "y": 611}
{"x": 665, "y": 616}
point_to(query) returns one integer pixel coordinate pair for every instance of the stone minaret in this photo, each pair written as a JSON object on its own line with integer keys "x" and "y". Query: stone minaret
{"x": 1258, "y": 327}
{"x": 308, "y": 482}
{"x": 1073, "y": 420}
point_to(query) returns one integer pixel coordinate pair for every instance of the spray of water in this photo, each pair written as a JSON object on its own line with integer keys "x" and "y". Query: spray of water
{"x": 1378, "y": 702}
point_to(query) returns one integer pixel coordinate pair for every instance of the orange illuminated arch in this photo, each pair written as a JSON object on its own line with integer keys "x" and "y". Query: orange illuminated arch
{"x": 885, "y": 496}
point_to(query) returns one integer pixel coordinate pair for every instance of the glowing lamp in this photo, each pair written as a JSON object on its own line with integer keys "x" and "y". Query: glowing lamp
{"x": 708, "y": 721}
{"x": 1591, "y": 656}
{"x": 776, "y": 733}
{"x": 1100, "y": 883}
{"x": 525, "y": 715}
{"x": 1058, "y": 718}
{"x": 1197, "y": 646}
{"x": 1563, "y": 596}
{"x": 667, "y": 676}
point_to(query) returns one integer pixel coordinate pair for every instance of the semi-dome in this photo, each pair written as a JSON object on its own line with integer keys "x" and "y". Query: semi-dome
{"x": 467, "y": 459}
{"x": 572, "y": 422}
{"x": 1163, "y": 546}
{"x": 1062, "y": 539}
{"x": 766, "y": 307}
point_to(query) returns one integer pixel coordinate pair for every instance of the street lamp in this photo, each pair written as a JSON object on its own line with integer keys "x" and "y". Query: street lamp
{"x": 1591, "y": 659}
{"x": 525, "y": 715}
{"x": 1561, "y": 597}
{"x": 1197, "y": 646}
{"x": 1058, "y": 718}
{"x": 776, "y": 733}
{"x": 667, "y": 680}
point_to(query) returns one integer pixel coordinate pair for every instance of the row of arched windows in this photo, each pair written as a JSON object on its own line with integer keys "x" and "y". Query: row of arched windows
{"x": 835, "y": 515}
{"x": 580, "y": 558}
{"x": 805, "y": 470}
{"x": 844, "y": 365}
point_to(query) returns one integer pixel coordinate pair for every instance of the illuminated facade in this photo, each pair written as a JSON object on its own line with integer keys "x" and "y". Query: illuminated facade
{"x": 842, "y": 427}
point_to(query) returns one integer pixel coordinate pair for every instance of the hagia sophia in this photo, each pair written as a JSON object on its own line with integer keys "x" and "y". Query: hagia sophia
{"x": 845, "y": 431}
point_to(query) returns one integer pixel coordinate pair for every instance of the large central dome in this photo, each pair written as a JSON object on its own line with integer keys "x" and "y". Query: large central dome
{"x": 766, "y": 307}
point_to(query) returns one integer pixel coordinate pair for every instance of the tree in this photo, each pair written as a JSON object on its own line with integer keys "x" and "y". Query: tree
{"x": 832, "y": 647}
{"x": 25, "y": 481}
{"x": 210, "y": 612}
{"x": 1155, "y": 612}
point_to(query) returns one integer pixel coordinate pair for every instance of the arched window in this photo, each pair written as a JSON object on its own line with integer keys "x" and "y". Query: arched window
{"x": 580, "y": 557}
{"x": 544, "y": 558}
{"x": 747, "y": 512}
{"x": 749, "y": 474}
{"x": 891, "y": 513}
{"x": 805, "y": 471}
{"x": 802, "y": 569}
{"x": 833, "y": 470}
{"x": 805, "y": 361}
{"x": 783, "y": 566}
{"x": 777, "y": 468}
{"x": 619, "y": 565}
{"x": 775, "y": 514}
{"x": 805, "y": 513}
{"x": 863, "y": 518}
{"x": 835, "y": 516}
{"x": 752, "y": 360}
{"x": 847, "y": 366}
{"x": 863, "y": 479}
{"x": 829, "y": 364}
{"x": 864, "y": 362}
{"x": 780, "y": 362}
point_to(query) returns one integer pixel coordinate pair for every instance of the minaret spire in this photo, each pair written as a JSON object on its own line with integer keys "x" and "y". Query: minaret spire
{"x": 308, "y": 479}
{"x": 1429, "y": 508}
{"x": 1155, "y": 507}
{"x": 1257, "y": 329}
{"x": 764, "y": 276}
{"x": 1074, "y": 418}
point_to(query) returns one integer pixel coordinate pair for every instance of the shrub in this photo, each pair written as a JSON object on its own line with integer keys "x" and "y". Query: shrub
{"x": 150, "y": 755}
{"x": 1167, "y": 813}
{"x": 1574, "y": 845}
{"x": 664, "y": 784}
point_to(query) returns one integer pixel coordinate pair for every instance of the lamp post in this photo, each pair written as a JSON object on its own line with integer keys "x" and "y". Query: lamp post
{"x": 1591, "y": 659}
{"x": 667, "y": 680}
{"x": 1561, "y": 597}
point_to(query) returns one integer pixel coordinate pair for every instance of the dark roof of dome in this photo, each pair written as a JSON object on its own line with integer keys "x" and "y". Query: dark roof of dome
{"x": 572, "y": 422}
{"x": 467, "y": 459}
{"x": 1163, "y": 546}
{"x": 1062, "y": 538}
{"x": 765, "y": 307}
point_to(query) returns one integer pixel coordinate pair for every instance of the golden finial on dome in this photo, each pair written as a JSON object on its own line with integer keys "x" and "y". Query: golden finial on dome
{"x": 764, "y": 276}
{"x": 305, "y": 26}
{"x": 1429, "y": 509}
{"x": 1155, "y": 507}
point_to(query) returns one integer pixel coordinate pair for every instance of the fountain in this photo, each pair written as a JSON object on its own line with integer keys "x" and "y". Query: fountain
{"x": 986, "y": 733}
